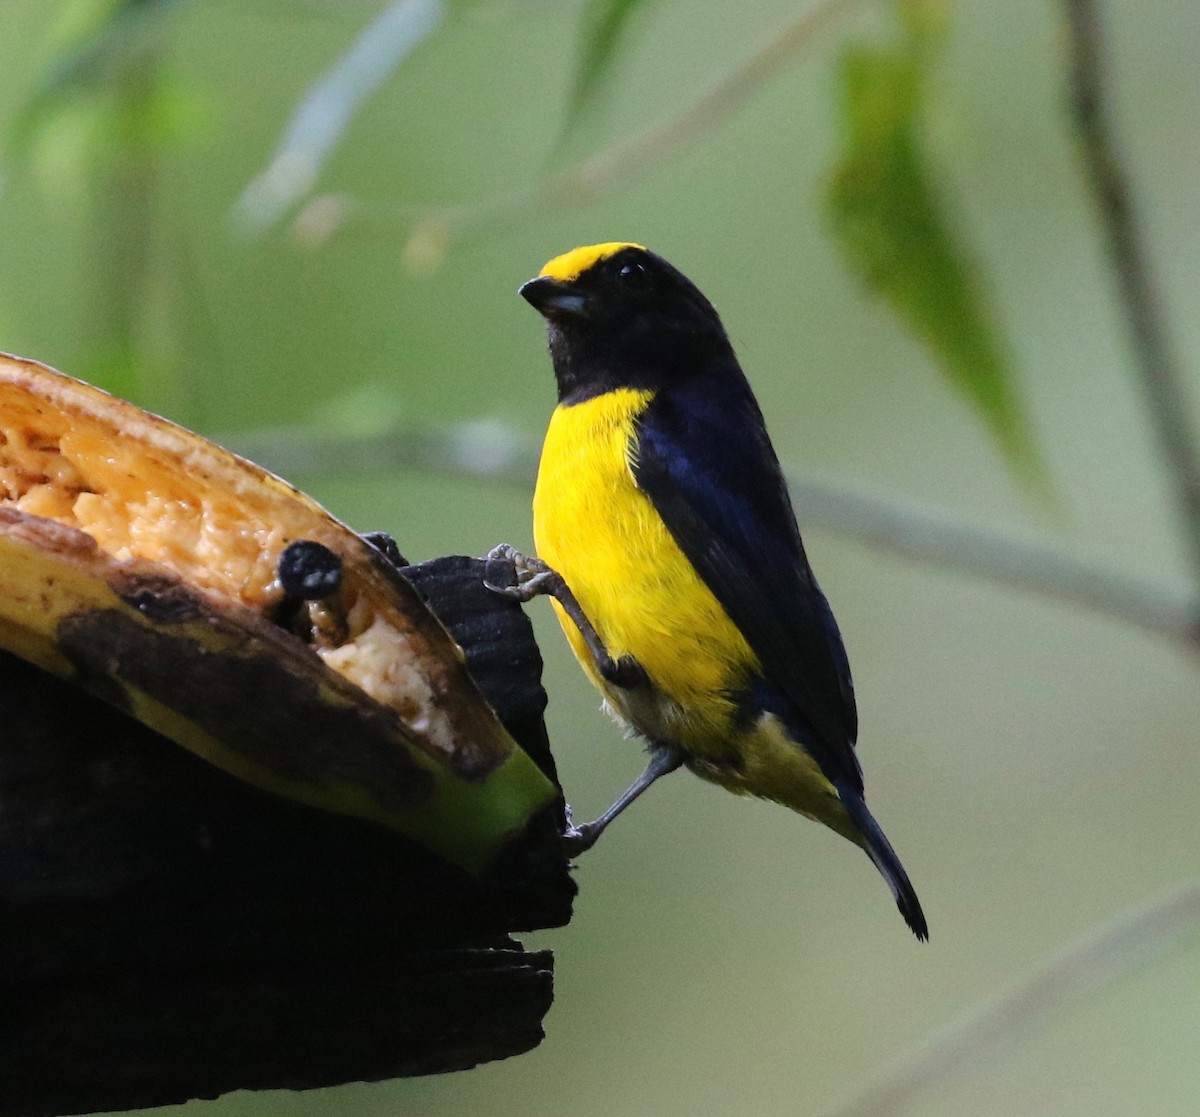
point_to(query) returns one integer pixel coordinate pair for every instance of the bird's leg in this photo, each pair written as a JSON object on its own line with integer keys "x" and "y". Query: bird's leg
{"x": 534, "y": 577}
{"x": 663, "y": 759}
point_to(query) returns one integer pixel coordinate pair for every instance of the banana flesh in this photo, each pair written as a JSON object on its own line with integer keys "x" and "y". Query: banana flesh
{"x": 140, "y": 560}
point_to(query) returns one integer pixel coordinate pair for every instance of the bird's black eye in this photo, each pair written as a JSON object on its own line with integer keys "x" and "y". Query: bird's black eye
{"x": 634, "y": 275}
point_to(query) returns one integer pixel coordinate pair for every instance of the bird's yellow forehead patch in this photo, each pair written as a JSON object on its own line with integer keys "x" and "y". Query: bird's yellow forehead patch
{"x": 571, "y": 265}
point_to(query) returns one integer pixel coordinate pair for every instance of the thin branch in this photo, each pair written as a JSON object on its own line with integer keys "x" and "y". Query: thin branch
{"x": 494, "y": 451}
{"x": 329, "y": 106}
{"x": 1160, "y": 371}
{"x": 1087, "y": 966}
{"x": 1163, "y": 607}
{"x": 604, "y": 170}
{"x": 617, "y": 165}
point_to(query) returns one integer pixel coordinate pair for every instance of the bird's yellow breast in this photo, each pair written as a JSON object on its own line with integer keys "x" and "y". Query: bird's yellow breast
{"x": 603, "y": 535}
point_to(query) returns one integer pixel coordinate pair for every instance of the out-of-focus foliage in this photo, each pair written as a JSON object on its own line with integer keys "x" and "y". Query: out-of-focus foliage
{"x": 890, "y": 215}
{"x": 104, "y": 69}
{"x": 605, "y": 26}
{"x": 105, "y": 112}
{"x": 331, "y": 103}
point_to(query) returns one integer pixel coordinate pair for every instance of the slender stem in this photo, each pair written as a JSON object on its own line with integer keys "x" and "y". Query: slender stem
{"x": 1164, "y": 607}
{"x": 599, "y": 173}
{"x": 1161, "y": 374}
{"x": 616, "y": 165}
{"x": 927, "y": 535}
{"x": 329, "y": 106}
{"x": 1100, "y": 958}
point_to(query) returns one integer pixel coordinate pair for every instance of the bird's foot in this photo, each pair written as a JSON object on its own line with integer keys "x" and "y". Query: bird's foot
{"x": 579, "y": 839}
{"x": 522, "y": 578}
{"x": 533, "y": 577}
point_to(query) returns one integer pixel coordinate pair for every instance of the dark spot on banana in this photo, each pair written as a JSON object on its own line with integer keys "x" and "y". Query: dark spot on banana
{"x": 158, "y": 597}
{"x": 265, "y": 699}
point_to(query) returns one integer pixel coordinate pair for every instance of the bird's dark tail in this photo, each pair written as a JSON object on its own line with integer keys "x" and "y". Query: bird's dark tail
{"x": 879, "y": 850}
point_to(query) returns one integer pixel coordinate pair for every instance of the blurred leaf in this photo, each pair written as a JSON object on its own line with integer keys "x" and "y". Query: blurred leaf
{"x": 890, "y": 218}
{"x": 103, "y": 41}
{"x": 60, "y": 153}
{"x": 94, "y": 131}
{"x": 606, "y": 24}
{"x": 331, "y": 103}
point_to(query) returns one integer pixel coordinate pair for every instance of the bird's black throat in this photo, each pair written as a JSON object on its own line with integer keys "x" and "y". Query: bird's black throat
{"x": 590, "y": 361}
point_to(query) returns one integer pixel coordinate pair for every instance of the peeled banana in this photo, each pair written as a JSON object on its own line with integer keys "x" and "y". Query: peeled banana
{"x": 141, "y": 561}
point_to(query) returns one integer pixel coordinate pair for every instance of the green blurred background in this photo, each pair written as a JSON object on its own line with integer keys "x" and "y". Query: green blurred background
{"x": 1036, "y": 764}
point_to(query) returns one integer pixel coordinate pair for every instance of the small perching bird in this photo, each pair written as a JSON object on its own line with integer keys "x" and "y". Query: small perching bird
{"x": 665, "y": 533}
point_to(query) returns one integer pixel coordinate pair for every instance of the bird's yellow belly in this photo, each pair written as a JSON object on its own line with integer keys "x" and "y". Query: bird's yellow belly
{"x": 603, "y": 535}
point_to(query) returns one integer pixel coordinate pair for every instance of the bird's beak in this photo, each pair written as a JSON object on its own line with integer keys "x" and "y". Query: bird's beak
{"x": 554, "y": 298}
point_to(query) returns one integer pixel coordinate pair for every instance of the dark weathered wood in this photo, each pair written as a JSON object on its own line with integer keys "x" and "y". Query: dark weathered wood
{"x": 498, "y": 640}
{"x": 136, "y": 1040}
{"x": 168, "y": 932}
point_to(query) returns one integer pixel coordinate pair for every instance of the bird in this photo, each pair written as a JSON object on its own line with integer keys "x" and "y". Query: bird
{"x": 665, "y": 535}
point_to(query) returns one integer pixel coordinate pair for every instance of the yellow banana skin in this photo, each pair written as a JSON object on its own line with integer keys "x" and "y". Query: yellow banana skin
{"x": 138, "y": 559}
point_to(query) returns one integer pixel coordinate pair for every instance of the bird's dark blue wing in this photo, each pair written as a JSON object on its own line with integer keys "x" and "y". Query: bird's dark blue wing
{"x": 704, "y": 459}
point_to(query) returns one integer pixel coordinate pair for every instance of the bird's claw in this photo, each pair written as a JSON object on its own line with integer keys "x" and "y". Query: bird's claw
{"x": 578, "y": 839}
{"x": 533, "y": 577}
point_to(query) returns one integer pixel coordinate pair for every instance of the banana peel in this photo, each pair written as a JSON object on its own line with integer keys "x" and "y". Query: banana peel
{"x": 140, "y": 561}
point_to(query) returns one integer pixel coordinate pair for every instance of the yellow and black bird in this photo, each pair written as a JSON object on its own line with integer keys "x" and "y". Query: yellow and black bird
{"x": 665, "y": 532}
